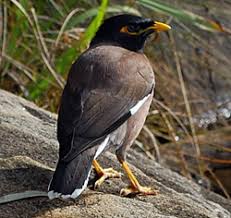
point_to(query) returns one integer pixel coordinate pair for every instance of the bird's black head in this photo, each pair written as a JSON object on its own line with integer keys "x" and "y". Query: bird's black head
{"x": 127, "y": 31}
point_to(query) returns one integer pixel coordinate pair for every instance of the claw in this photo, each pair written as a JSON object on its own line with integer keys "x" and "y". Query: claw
{"x": 139, "y": 190}
{"x": 106, "y": 174}
{"x": 135, "y": 188}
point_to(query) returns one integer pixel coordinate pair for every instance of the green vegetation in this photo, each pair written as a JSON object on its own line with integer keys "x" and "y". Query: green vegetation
{"x": 42, "y": 38}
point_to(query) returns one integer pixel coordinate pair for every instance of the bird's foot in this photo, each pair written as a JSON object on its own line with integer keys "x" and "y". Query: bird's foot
{"x": 138, "y": 190}
{"x": 135, "y": 188}
{"x": 106, "y": 174}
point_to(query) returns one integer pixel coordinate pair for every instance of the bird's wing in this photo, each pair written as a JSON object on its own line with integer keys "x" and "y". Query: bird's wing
{"x": 99, "y": 97}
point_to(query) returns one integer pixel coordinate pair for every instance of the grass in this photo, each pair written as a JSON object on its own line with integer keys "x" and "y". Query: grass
{"x": 40, "y": 40}
{"x": 51, "y": 34}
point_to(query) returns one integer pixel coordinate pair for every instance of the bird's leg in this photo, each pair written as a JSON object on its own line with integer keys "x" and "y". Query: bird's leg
{"x": 104, "y": 173}
{"x": 135, "y": 187}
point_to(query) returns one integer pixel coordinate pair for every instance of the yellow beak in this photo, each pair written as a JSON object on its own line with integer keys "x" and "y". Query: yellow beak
{"x": 160, "y": 27}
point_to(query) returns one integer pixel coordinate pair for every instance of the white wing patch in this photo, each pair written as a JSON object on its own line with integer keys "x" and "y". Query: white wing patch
{"x": 78, "y": 191}
{"x": 101, "y": 147}
{"x": 134, "y": 109}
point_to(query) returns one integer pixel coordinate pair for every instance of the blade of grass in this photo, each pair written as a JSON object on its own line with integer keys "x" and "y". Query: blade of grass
{"x": 67, "y": 19}
{"x": 93, "y": 12}
{"x": 219, "y": 183}
{"x": 4, "y": 28}
{"x": 65, "y": 59}
{"x": 187, "y": 105}
{"x": 220, "y": 56}
{"x": 38, "y": 35}
{"x": 174, "y": 116}
{"x": 13, "y": 39}
{"x": 14, "y": 77}
{"x": 57, "y": 8}
{"x": 94, "y": 25}
{"x": 41, "y": 86}
{"x": 220, "y": 147}
{"x": 44, "y": 53}
{"x": 183, "y": 15}
{"x": 27, "y": 71}
{"x": 141, "y": 146}
{"x": 123, "y": 9}
{"x": 172, "y": 133}
{"x": 22, "y": 9}
{"x": 213, "y": 175}
{"x": 154, "y": 142}
{"x": 207, "y": 138}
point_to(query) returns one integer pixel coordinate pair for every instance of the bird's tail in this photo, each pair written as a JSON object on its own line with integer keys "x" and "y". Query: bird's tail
{"x": 71, "y": 178}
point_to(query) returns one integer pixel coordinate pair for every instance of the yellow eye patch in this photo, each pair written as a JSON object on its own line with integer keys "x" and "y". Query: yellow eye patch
{"x": 125, "y": 30}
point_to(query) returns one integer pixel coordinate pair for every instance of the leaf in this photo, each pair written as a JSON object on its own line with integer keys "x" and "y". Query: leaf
{"x": 182, "y": 15}
{"x": 38, "y": 89}
{"x": 94, "y": 25}
{"x": 63, "y": 62}
{"x": 93, "y": 12}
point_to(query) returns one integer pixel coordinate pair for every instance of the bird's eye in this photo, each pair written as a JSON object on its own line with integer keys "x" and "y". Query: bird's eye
{"x": 133, "y": 28}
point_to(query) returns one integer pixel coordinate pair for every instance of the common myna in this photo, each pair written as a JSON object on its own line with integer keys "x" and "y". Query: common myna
{"x": 104, "y": 103}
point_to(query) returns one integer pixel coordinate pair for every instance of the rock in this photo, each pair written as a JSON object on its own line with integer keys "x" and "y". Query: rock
{"x": 28, "y": 153}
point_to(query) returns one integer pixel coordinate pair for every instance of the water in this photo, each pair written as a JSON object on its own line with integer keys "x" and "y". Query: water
{"x": 222, "y": 112}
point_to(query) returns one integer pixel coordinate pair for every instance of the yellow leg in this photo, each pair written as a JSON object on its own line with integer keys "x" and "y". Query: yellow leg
{"x": 104, "y": 173}
{"x": 135, "y": 187}
{"x": 98, "y": 168}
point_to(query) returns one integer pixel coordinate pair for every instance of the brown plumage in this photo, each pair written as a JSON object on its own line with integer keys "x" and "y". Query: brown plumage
{"x": 104, "y": 103}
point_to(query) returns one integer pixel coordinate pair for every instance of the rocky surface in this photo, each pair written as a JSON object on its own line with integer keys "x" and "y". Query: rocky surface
{"x": 28, "y": 152}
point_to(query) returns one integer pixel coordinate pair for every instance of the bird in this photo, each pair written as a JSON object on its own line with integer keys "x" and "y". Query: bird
{"x": 104, "y": 104}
